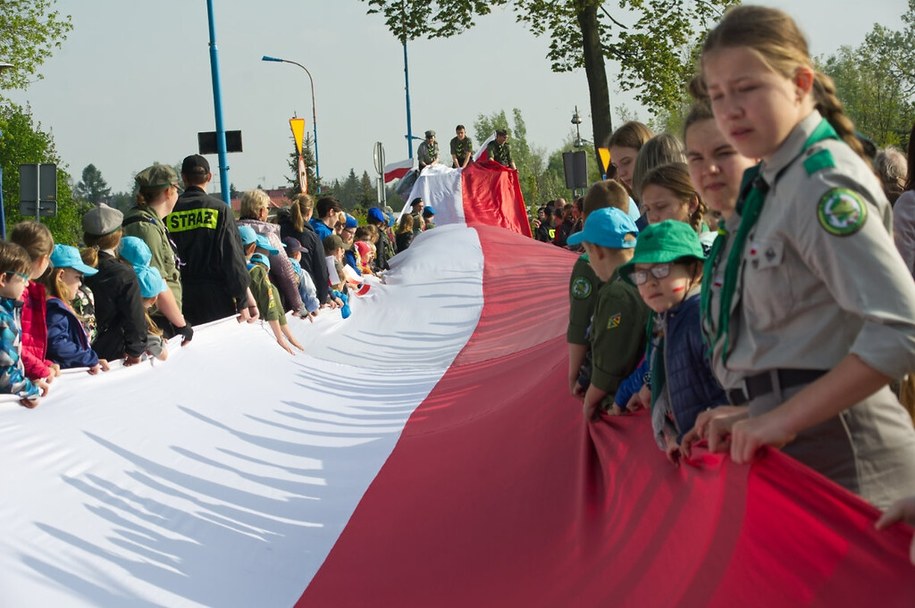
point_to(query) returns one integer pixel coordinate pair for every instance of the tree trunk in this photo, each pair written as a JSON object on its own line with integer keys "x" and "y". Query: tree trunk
{"x": 597, "y": 75}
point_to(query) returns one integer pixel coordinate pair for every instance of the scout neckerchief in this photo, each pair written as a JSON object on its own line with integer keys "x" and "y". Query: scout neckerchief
{"x": 753, "y": 192}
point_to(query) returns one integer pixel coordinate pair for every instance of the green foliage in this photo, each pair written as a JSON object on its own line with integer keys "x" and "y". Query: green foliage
{"x": 876, "y": 81}
{"x": 30, "y": 31}
{"x": 92, "y": 188}
{"x": 23, "y": 142}
{"x": 653, "y": 50}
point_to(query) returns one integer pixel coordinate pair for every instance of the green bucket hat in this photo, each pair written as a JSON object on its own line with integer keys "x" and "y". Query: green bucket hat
{"x": 157, "y": 176}
{"x": 667, "y": 241}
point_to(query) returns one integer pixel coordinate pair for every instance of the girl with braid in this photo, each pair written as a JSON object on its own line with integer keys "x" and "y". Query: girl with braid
{"x": 806, "y": 301}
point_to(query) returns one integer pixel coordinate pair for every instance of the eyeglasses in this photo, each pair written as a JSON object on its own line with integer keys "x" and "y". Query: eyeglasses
{"x": 25, "y": 278}
{"x": 658, "y": 271}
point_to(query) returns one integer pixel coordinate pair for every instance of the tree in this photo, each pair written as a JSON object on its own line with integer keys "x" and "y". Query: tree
{"x": 30, "y": 31}
{"x": 314, "y": 185}
{"x": 652, "y": 51}
{"x": 368, "y": 192}
{"x": 876, "y": 81}
{"x": 92, "y": 188}
{"x": 24, "y": 142}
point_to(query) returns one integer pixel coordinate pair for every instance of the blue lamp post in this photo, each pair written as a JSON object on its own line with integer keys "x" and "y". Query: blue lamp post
{"x": 314, "y": 111}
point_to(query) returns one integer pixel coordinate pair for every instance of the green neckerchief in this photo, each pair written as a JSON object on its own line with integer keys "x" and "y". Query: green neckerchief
{"x": 753, "y": 190}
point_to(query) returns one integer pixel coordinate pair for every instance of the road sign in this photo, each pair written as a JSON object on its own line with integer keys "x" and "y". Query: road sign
{"x": 38, "y": 190}
{"x": 298, "y": 132}
{"x": 206, "y": 142}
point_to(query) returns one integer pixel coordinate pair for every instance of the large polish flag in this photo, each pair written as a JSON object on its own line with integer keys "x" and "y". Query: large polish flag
{"x": 423, "y": 452}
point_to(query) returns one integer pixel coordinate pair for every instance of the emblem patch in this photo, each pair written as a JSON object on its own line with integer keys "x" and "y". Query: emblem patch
{"x": 614, "y": 321}
{"x": 581, "y": 288}
{"x": 841, "y": 212}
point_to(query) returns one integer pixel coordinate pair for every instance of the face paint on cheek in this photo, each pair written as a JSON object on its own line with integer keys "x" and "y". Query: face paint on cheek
{"x": 678, "y": 289}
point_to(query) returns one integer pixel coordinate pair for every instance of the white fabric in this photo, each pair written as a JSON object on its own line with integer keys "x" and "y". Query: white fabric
{"x": 223, "y": 476}
{"x": 440, "y": 188}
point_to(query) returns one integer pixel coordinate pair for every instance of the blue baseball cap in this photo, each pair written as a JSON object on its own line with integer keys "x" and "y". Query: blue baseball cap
{"x": 608, "y": 227}
{"x": 151, "y": 282}
{"x": 135, "y": 251}
{"x": 264, "y": 243}
{"x": 428, "y": 211}
{"x": 67, "y": 256}
{"x": 247, "y": 235}
{"x": 351, "y": 222}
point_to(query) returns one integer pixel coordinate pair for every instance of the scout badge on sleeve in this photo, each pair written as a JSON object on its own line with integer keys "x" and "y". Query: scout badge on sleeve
{"x": 841, "y": 212}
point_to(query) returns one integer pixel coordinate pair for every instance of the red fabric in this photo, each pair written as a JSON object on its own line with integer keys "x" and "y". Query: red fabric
{"x": 498, "y": 494}
{"x": 35, "y": 332}
{"x": 492, "y": 197}
{"x": 397, "y": 170}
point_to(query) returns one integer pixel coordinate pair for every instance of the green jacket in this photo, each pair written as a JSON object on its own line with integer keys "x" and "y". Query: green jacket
{"x": 617, "y": 334}
{"x": 583, "y": 288}
{"x": 145, "y": 224}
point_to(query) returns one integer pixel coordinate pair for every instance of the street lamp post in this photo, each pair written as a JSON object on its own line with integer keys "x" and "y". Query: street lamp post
{"x": 314, "y": 111}
{"x": 3, "y": 66}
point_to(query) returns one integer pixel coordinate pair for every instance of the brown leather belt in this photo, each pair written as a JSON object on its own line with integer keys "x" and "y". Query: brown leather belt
{"x": 762, "y": 384}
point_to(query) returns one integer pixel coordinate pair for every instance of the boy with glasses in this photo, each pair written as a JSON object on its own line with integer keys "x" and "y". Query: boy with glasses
{"x": 15, "y": 265}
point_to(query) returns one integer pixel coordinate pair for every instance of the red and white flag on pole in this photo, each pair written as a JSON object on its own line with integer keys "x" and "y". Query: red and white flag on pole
{"x": 483, "y": 153}
{"x": 397, "y": 170}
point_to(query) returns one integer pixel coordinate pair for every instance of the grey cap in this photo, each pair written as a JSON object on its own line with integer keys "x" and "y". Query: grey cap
{"x": 430, "y": 133}
{"x": 102, "y": 220}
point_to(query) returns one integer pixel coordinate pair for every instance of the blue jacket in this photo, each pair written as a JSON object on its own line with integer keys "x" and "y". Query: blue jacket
{"x": 12, "y": 372}
{"x": 321, "y": 229}
{"x": 68, "y": 345}
{"x": 687, "y": 375}
{"x": 349, "y": 258}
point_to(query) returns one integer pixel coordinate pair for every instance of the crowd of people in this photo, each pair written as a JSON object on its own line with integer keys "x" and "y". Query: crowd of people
{"x": 743, "y": 284}
{"x": 177, "y": 259}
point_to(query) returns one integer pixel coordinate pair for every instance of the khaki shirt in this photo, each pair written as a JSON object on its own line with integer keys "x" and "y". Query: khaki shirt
{"x": 583, "y": 288}
{"x": 726, "y": 377}
{"x": 617, "y": 334}
{"x": 821, "y": 277}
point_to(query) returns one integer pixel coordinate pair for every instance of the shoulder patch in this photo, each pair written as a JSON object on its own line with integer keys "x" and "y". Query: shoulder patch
{"x": 581, "y": 288}
{"x": 818, "y": 159}
{"x": 841, "y": 212}
{"x": 614, "y": 321}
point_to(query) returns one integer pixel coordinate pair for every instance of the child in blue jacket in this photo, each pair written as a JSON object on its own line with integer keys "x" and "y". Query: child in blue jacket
{"x": 68, "y": 342}
{"x": 15, "y": 269}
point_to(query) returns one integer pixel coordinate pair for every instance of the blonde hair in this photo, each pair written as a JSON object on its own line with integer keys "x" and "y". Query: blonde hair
{"x": 34, "y": 237}
{"x": 775, "y": 36}
{"x": 405, "y": 224}
{"x": 302, "y": 205}
{"x": 56, "y": 287}
{"x": 675, "y": 177}
{"x": 253, "y": 201}
{"x": 632, "y": 134}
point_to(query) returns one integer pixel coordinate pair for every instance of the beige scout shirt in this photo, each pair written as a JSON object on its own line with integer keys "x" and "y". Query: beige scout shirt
{"x": 729, "y": 379}
{"x": 821, "y": 277}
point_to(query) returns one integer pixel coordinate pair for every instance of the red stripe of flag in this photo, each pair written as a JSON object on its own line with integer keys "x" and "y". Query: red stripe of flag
{"x": 498, "y": 494}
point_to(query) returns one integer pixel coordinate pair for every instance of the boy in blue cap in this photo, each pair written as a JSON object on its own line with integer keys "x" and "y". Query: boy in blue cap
{"x": 618, "y": 326}
{"x": 256, "y": 248}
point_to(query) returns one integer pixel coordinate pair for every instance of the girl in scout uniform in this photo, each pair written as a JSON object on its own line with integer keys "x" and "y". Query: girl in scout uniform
{"x": 815, "y": 310}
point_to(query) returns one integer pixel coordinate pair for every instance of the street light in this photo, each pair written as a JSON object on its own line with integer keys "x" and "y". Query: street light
{"x": 576, "y": 120}
{"x": 3, "y": 66}
{"x": 314, "y": 111}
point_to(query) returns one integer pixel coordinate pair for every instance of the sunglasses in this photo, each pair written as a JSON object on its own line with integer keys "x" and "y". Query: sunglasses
{"x": 658, "y": 271}
{"x": 25, "y": 278}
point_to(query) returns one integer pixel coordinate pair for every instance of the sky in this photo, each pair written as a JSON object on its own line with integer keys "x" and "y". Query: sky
{"x": 132, "y": 86}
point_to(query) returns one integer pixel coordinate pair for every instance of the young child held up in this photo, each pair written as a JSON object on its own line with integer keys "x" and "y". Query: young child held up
{"x": 620, "y": 317}
{"x": 667, "y": 269}
{"x": 68, "y": 341}
{"x": 15, "y": 269}
{"x": 257, "y": 249}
